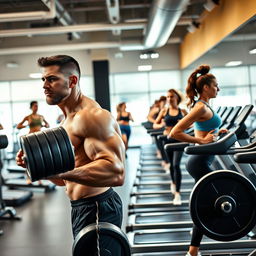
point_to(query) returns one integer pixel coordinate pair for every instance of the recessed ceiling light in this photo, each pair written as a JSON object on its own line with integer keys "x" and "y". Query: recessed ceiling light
{"x": 144, "y": 56}
{"x": 253, "y": 51}
{"x": 144, "y": 68}
{"x": 233, "y": 63}
{"x": 35, "y": 75}
{"x": 154, "y": 55}
{"x": 119, "y": 55}
{"x": 12, "y": 64}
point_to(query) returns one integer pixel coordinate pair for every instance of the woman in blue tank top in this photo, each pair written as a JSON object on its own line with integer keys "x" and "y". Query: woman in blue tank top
{"x": 202, "y": 86}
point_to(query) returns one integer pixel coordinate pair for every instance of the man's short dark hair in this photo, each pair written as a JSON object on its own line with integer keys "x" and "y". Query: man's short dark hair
{"x": 65, "y": 63}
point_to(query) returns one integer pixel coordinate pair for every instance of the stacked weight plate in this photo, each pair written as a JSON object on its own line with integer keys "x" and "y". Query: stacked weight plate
{"x": 47, "y": 153}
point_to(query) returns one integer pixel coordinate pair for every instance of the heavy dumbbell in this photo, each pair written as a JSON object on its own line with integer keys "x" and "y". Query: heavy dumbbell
{"x": 47, "y": 153}
{"x": 223, "y": 205}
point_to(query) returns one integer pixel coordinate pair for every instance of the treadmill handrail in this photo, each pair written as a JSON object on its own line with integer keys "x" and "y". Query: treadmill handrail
{"x": 248, "y": 148}
{"x": 215, "y": 148}
{"x": 248, "y": 157}
{"x": 178, "y": 146}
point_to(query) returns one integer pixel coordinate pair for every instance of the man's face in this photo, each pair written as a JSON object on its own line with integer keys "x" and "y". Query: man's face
{"x": 56, "y": 85}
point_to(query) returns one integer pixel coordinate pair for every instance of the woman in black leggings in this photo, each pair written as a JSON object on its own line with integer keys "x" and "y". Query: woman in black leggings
{"x": 202, "y": 86}
{"x": 168, "y": 118}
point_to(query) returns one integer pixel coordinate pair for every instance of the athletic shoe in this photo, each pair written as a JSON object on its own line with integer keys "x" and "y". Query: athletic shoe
{"x": 177, "y": 199}
{"x": 198, "y": 254}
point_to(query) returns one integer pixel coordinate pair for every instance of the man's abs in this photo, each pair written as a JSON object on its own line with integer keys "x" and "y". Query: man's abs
{"x": 76, "y": 191}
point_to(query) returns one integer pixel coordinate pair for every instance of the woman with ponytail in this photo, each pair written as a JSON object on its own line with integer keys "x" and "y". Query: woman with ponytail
{"x": 202, "y": 86}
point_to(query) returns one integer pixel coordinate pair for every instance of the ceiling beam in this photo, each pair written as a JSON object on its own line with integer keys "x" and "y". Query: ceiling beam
{"x": 70, "y": 29}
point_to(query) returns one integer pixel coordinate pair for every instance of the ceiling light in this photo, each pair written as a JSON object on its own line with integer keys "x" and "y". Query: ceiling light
{"x": 144, "y": 56}
{"x": 253, "y": 51}
{"x": 131, "y": 47}
{"x": 154, "y": 55}
{"x": 233, "y": 63}
{"x": 12, "y": 64}
{"x": 35, "y": 75}
{"x": 149, "y": 55}
{"x": 119, "y": 55}
{"x": 144, "y": 68}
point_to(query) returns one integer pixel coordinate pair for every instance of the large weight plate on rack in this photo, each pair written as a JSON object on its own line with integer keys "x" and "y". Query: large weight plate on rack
{"x": 223, "y": 205}
{"x": 86, "y": 240}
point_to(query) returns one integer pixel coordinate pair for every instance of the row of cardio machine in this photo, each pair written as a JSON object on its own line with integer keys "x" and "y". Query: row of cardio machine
{"x": 157, "y": 227}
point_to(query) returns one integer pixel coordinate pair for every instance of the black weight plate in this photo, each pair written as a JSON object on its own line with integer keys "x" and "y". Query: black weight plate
{"x": 40, "y": 171}
{"x": 210, "y": 219}
{"x": 55, "y": 150}
{"x": 46, "y": 152}
{"x": 86, "y": 240}
{"x": 63, "y": 149}
{"x": 69, "y": 147}
{"x": 3, "y": 141}
{"x": 28, "y": 157}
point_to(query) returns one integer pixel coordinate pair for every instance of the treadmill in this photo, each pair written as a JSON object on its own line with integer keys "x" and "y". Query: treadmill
{"x": 158, "y": 240}
{"x": 13, "y": 183}
{"x": 163, "y": 219}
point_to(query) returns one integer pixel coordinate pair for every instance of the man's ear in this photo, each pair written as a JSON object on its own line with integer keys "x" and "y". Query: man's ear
{"x": 73, "y": 80}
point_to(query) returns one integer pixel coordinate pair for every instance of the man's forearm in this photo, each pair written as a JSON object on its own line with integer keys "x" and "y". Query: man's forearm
{"x": 100, "y": 173}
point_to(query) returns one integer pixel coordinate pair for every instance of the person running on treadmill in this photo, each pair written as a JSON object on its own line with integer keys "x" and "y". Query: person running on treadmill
{"x": 168, "y": 118}
{"x": 35, "y": 123}
{"x": 154, "y": 111}
{"x": 202, "y": 86}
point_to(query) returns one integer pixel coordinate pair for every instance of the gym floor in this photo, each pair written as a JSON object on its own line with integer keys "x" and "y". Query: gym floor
{"x": 45, "y": 228}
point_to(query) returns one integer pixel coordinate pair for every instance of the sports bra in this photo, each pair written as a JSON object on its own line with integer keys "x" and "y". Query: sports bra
{"x": 35, "y": 122}
{"x": 211, "y": 124}
{"x": 172, "y": 120}
{"x": 124, "y": 118}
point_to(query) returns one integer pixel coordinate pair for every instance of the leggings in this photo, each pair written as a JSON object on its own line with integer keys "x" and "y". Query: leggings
{"x": 174, "y": 159}
{"x": 198, "y": 166}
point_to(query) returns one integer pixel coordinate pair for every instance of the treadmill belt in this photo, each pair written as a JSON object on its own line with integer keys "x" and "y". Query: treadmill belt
{"x": 167, "y": 217}
{"x": 151, "y": 168}
{"x": 153, "y": 172}
{"x": 155, "y": 178}
{"x": 162, "y": 237}
{"x": 168, "y": 237}
{"x": 158, "y": 198}
{"x": 151, "y": 188}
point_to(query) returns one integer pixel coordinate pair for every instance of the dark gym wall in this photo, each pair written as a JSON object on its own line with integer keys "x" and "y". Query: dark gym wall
{"x": 101, "y": 83}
